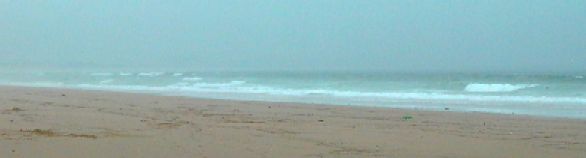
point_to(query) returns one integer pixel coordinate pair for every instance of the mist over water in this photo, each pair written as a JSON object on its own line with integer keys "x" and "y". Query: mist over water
{"x": 500, "y": 36}
{"x": 522, "y": 57}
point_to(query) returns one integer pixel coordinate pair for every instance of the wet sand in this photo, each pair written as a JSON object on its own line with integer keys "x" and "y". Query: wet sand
{"x": 56, "y": 123}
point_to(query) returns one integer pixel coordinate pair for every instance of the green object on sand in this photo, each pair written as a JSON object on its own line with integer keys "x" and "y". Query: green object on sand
{"x": 407, "y": 117}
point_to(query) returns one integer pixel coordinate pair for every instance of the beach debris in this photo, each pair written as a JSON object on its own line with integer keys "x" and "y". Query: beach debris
{"x": 51, "y": 133}
{"x": 40, "y": 132}
{"x": 269, "y": 107}
{"x": 82, "y": 136}
{"x": 63, "y": 95}
{"x": 13, "y": 150}
{"x": 16, "y": 109}
{"x": 11, "y": 120}
{"x": 407, "y": 117}
{"x": 320, "y": 120}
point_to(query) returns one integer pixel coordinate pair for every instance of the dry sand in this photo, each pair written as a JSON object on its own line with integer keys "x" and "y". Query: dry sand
{"x": 57, "y": 123}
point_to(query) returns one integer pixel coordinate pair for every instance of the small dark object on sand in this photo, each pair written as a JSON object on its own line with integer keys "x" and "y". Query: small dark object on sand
{"x": 407, "y": 117}
{"x": 13, "y": 150}
{"x": 17, "y": 109}
{"x": 41, "y": 132}
{"x": 320, "y": 120}
{"x": 62, "y": 95}
{"x": 269, "y": 107}
{"x": 11, "y": 120}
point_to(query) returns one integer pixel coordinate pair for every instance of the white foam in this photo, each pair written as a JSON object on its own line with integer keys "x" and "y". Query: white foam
{"x": 151, "y": 74}
{"x": 237, "y": 82}
{"x": 107, "y": 81}
{"x": 191, "y": 79}
{"x": 48, "y": 84}
{"x": 228, "y": 87}
{"x": 478, "y": 87}
{"x": 240, "y": 87}
{"x": 177, "y": 74}
{"x": 579, "y": 77}
{"x": 120, "y": 87}
{"x": 125, "y": 74}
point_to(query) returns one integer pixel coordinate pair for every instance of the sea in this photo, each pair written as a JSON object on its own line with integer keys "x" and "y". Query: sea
{"x": 561, "y": 96}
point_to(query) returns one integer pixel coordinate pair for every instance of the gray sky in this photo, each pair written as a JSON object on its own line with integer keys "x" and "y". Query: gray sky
{"x": 422, "y": 35}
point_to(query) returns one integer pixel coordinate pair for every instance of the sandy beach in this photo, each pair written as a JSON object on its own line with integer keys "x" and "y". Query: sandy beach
{"x": 56, "y": 123}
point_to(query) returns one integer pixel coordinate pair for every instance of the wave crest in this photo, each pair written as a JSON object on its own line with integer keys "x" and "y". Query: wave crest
{"x": 479, "y": 87}
{"x": 192, "y": 79}
{"x": 101, "y": 74}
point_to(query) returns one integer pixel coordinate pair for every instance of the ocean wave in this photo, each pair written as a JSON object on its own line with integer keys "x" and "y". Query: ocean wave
{"x": 151, "y": 74}
{"x": 240, "y": 87}
{"x": 107, "y": 81}
{"x": 237, "y": 82}
{"x": 125, "y": 74}
{"x": 48, "y": 84}
{"x": 232, "y": 85}
{"x": 120, "y": 87}
{"x": 101, "y": 74}
{"x": 478, "y": 87}
{"x": 177, "y": 74}
{"x": 191, "y": 79}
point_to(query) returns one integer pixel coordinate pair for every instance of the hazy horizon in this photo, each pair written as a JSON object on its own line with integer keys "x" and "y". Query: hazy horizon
{"x": 326, "y": 35}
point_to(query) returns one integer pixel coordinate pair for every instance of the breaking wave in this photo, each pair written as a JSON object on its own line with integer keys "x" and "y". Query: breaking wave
{"x": 478, "y": 87}
{"x": 243, "y": 88}
{"x": 151, "y": 74}
{"x": 191, "y": 79}
{"x": 548, "y": 96}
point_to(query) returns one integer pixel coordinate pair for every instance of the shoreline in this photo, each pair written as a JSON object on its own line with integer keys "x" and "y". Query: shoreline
{"x": 56, "y": 122}
{"x": 396, "y": 106}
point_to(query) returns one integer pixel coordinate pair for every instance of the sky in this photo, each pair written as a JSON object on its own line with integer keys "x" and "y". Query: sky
{"x": 288, "y": 35}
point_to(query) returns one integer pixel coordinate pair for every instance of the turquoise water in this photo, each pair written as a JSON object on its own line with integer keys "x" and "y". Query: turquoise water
{"x": 540, "y": 95}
